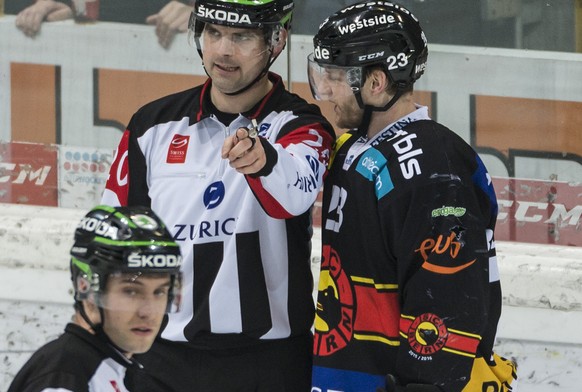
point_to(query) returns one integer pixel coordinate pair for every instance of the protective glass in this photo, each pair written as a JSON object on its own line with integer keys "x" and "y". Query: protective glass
{"x": 159, "y": 292}
{"x": 329, "y": 82}
{"x": 228, "y": 40}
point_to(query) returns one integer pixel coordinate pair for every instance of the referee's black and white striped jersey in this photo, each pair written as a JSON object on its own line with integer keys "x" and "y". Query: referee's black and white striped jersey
{"x": 75, "y": 362}
{"x": 245, "y": 239}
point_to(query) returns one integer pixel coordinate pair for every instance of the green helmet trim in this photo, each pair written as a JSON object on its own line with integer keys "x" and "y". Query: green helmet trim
{"x": 84, "y": 267}
{"x": 118, "y": 214}
{"x": 286, "y": 18}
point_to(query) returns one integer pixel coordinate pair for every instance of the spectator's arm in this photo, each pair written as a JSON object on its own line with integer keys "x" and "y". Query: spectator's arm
{"x": 30, "y": 19}
{"x": 170, "y": 20}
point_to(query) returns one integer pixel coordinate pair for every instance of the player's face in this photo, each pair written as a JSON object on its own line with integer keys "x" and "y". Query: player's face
{"x": 334, "y": 84}
{"x": 348, "y": 114}
{"x": 233, "y": 57}
{"x": 134, "y": 307}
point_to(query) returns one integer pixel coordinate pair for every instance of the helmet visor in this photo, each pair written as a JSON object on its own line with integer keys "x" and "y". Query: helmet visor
{"x": 329, "y": 82}
{"x": 246, "y": 42}
{"x": 158, "y": 292}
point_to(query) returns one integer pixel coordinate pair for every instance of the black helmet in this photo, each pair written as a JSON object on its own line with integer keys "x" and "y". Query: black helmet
{"x": 268, "y": 15}
{"x": 271, "y": 16}
{"x": 374, "y": 32}
{"x": 112, "y": 240}
{"x": 255, "y": 14}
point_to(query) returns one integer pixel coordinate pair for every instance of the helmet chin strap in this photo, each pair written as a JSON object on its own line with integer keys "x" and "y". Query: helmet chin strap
{"x": 85, "y": 317}
{"x": 369, "y": 109}
{"x": 98, "y": 328}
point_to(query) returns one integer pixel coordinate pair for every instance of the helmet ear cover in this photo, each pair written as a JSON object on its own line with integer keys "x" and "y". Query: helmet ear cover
{"x": 82, "y": 287}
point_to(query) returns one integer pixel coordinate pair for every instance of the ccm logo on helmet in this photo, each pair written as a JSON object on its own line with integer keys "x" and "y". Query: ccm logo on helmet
{"x": 98, "y": 227}
{"x": 136, "y": 260}
{"x": 371, "y": 56}
{"x": 222, "y": 16}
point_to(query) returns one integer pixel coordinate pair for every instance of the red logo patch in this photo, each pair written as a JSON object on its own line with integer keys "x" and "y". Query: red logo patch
{"x": 178, "y": 149}
{"x": 427, "y": 334}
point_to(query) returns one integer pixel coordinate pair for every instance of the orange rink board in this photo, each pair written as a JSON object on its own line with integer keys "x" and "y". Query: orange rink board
{"x": 517, "y": 127}
{"x": 35, "y": 102}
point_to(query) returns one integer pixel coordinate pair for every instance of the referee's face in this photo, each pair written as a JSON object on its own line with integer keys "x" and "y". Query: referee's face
{"x": 233, "y": 57}
{"x": 134, "y": 307}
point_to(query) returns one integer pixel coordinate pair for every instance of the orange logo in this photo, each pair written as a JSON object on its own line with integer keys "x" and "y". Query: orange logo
{"x": 451, "y": 246}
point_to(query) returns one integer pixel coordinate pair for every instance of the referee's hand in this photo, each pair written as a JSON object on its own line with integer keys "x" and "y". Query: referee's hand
{"x": 244, "y": 153}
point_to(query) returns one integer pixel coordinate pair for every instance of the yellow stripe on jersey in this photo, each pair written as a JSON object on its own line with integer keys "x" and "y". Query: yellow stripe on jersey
{"x": 338, "y": 143}
{"x": 370, "y": 282}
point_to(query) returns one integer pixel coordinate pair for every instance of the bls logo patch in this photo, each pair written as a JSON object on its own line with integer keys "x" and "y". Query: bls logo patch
{"x": 178, "y": 149}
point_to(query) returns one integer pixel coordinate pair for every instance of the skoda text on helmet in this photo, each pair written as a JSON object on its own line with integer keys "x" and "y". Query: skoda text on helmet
{"x": 268, "y": 15}
{"x": 369, "y": 33}
{"x": 127, "y": 240}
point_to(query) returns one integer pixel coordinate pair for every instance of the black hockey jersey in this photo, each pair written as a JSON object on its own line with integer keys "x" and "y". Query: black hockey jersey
{"x": 245, "y": 239}
{"x": 77, "y": 361}
{"x": 409, "y": 282}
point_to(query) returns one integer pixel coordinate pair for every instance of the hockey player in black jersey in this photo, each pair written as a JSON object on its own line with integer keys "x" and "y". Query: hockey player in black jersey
{"x": 125, "y": 270}
{"x": 408, "y": 218}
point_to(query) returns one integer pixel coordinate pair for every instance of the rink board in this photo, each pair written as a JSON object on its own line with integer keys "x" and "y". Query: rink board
{"x": 542, "y": 297}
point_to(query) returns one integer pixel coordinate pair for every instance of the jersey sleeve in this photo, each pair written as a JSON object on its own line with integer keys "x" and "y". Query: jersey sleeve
{"x": 295, "y": 177}
{"x": 443, "y": 243}
{"x": 127, "y": 184}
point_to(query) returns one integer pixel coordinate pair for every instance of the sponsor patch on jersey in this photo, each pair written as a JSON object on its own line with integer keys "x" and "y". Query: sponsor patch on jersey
{"x": 443, "y": 255}
{"x": 448, "y": 211}
{"x": 428, "y": 334}
{"x": 373, "y": 166}
{"x": 178, "y": 149}
{"x": 214, "y": 194}
{"x": 263, "y": 128}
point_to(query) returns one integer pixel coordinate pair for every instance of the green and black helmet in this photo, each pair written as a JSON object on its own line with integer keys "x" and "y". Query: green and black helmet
{"x": 131, "y": 240}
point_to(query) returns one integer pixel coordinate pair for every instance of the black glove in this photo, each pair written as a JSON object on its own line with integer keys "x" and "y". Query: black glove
{"x": 392, "y": 386}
